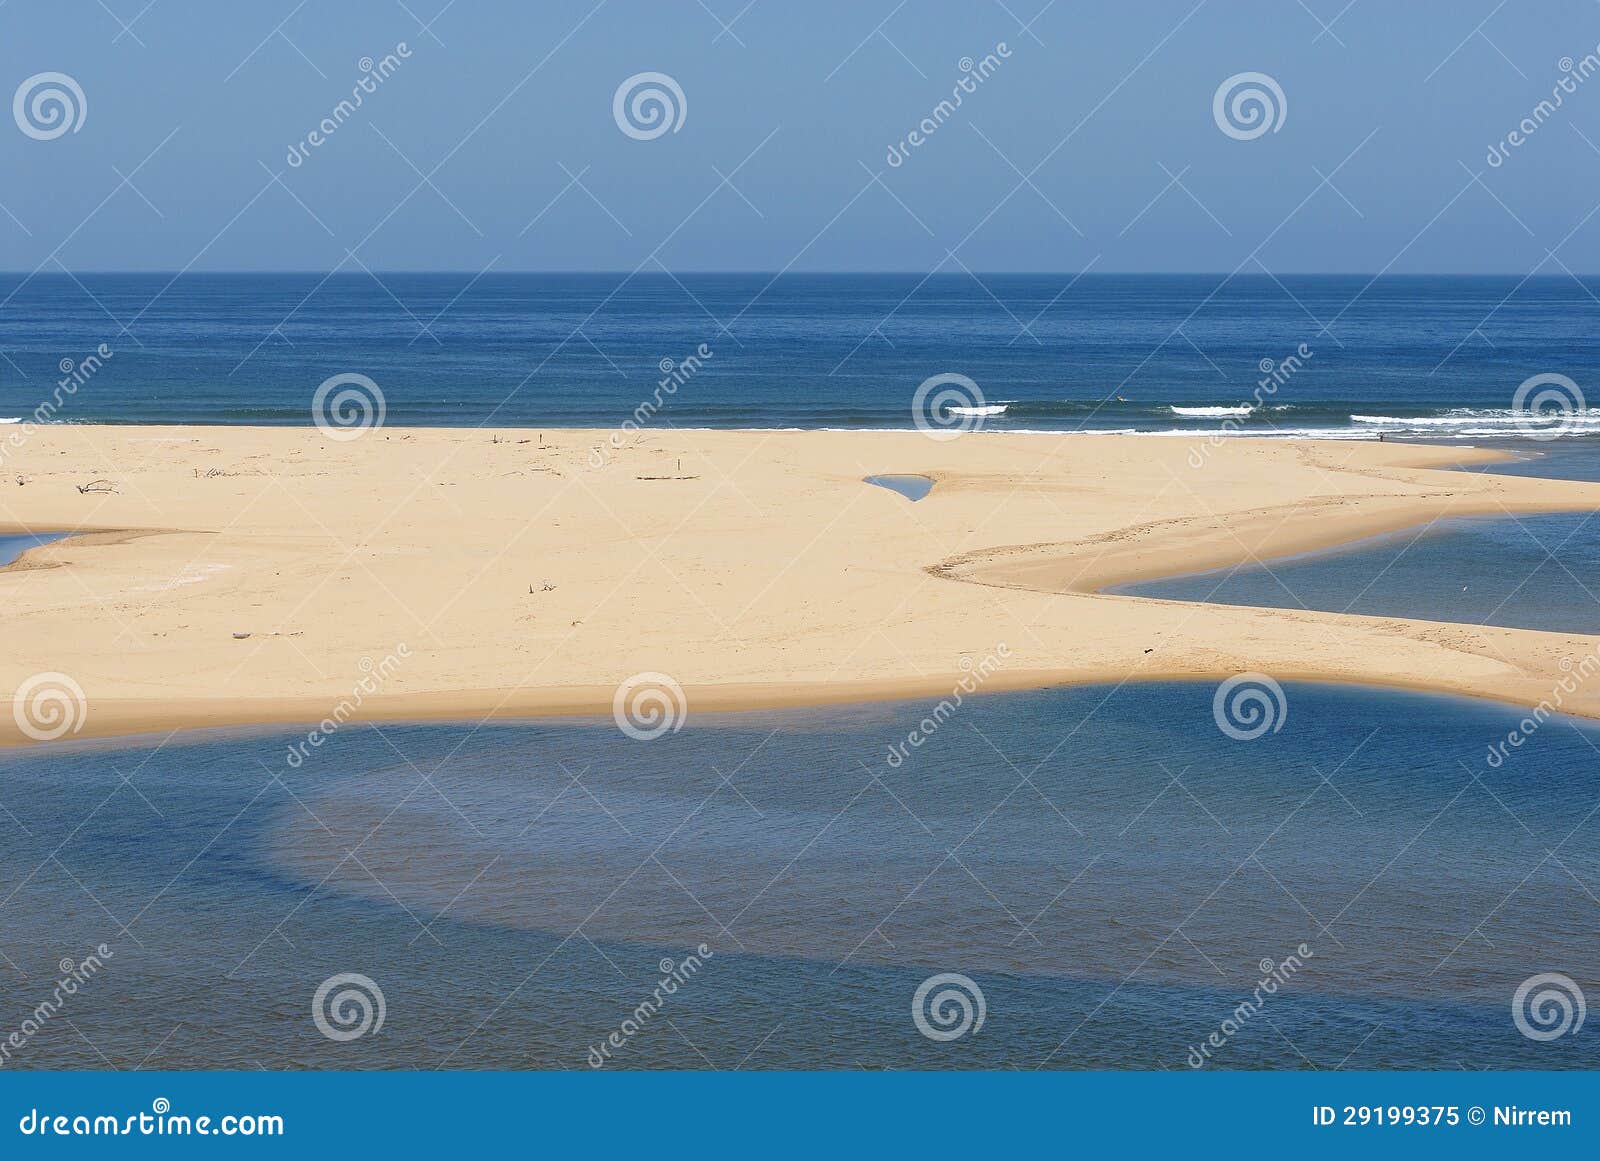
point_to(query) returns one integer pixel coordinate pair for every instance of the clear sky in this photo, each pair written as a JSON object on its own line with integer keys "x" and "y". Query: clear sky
{"x": 1093, "y": 144}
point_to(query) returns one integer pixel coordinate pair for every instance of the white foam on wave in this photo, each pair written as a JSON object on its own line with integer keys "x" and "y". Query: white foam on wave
{"x": 1154, "y": 432}
{"x": 1265, "y": 433}
{"x": 11, "y": 419}
{"x": 986, "y": 409}
{"x": 1465, "y": 418}
{"x": 1241, "y": 409}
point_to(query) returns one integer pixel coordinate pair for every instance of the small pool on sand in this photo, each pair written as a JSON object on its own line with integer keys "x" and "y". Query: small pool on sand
{"x": 12, "y": 547}
{"x": 911, "y": 487}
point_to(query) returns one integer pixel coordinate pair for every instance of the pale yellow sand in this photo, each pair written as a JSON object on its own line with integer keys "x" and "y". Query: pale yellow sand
{"x": 754, "y": 568}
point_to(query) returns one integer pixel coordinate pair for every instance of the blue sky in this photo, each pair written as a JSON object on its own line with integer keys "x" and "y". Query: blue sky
{"x": 1092, "y": 145}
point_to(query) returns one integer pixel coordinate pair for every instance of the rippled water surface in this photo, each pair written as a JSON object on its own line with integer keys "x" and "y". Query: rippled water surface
{"x": 1525, "y": 572}
{"x": 1518, "y": 571}
{"x": 1095, "y": 352}
{"x": 1108, "y": 867}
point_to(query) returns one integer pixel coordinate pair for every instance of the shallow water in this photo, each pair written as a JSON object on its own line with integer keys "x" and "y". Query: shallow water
{"x": 913, "y": 488}
{"x": 1525, "y": 572}
{"x": 1106, "y": 864}
{"x": 12, "y": 547}
{"x": 1559, "y": 459}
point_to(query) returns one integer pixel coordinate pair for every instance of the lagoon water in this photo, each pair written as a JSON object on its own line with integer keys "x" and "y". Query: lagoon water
{"x": 1526, "y": 572}
{"x": 1556, "y": 459}
{"x": 1110, "y": 869}
{"x": 12, "y": 547}
{"x": 1523, "y": 571}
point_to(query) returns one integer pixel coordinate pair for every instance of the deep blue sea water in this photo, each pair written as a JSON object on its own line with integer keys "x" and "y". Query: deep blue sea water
{"x": 1106, "y": 866}
{"x": 1098, "y": 352}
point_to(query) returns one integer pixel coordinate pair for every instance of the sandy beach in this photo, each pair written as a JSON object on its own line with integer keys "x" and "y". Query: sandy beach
{"x": 260, "y": 575}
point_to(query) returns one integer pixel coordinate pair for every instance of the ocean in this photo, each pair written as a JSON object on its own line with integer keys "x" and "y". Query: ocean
{"x": 1351, "y": 357}
{"x": 1112, "y": 875}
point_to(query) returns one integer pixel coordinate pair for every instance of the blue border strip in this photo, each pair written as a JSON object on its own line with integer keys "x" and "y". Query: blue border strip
{"x": 810, "y": 1114}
